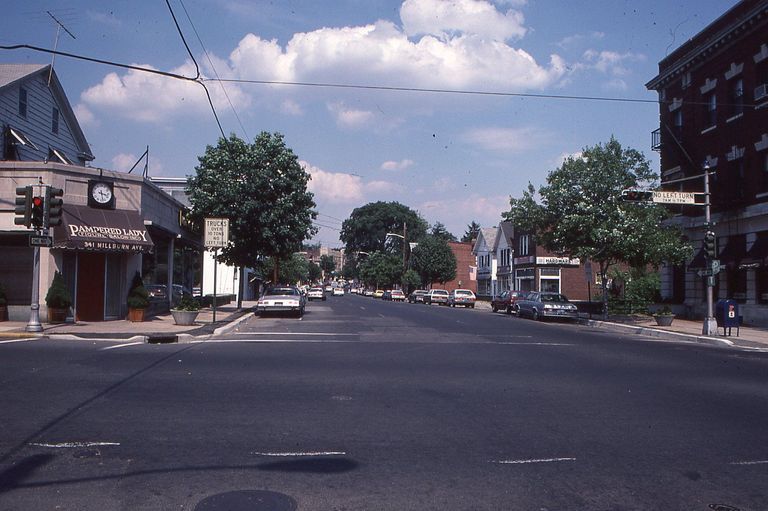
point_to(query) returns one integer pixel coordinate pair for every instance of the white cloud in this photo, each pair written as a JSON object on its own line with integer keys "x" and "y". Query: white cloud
{"x": 457, "y": 213}
{"x": 382, "y": 187}
{"x": 124, "y": 161}
{"x": 396, "y": 165}
{"x": 149, "y": 97}
{"x": 578, "y": 39}
{"x": 291, "y": 107}
{"x": 349, "y": 117}
{"x": 85, "y": 117}
{"x": 610, "y": 62}
{"x": 447, "y": 17}
{"x": 513, "y": 140}
{"x": 334, "y": 186}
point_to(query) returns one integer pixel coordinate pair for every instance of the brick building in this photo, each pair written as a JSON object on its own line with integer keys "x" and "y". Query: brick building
{"x": 713, "y": 97}
{"x": 465, "y": 263}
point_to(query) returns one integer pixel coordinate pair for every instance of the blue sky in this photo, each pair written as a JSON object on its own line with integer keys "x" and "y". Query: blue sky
{"x": 452, "y": 157}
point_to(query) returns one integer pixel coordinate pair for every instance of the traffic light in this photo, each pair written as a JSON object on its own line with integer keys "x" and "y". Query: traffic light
{"x": 23, "y": 206}
{"x": 636, "y": 196}
{"x": 38, "y": 213}
{"x": 53, "y": 205}
{"x": 709, "y": 245}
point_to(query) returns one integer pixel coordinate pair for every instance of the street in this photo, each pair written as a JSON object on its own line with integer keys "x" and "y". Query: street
{"x": 365, "y": 404}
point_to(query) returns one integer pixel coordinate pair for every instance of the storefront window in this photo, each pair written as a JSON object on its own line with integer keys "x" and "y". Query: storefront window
{"x": 525, "y": 279}
{"x": 549, "y": 280}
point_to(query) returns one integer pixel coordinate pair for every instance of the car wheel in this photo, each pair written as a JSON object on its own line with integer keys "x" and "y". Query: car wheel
{"x": 535, "y": 315}
{"x": 494, "y": 308}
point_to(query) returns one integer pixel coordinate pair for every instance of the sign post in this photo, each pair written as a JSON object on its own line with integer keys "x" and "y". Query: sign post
{"x": 216, "y": 236}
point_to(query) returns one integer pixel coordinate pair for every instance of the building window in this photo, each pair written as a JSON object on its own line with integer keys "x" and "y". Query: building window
{"x": 737, "y": 96}
{"x": 549, "y": 280}
{"x": 686, "y": 81}
{"x": 23, "y": 102}
{"x": 524, "y": 245}
{"x": 55, "y": 120}
{"x": 710, "y": 112}
{"x": 677, "y": 121}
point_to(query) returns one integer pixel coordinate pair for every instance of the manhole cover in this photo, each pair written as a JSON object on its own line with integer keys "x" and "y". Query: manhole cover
{"x": 253, "y": 500}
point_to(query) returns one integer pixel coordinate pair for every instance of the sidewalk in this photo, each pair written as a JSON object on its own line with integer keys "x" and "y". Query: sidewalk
{"x": 159, "y": 328}
{"x": 752, "y": 338}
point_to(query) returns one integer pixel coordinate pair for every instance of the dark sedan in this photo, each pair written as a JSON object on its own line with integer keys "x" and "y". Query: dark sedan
{"x": 506, "y": 301}
{"x": 540, "y": 305}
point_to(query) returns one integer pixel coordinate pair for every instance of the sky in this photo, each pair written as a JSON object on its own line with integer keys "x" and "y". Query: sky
{"x": 455, "y": 157}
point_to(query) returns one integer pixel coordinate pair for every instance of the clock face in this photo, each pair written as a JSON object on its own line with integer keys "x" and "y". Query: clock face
{"x": 101, "y": 193}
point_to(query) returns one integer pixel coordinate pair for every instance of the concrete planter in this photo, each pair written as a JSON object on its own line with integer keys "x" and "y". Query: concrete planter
{"x": 184, "y": 318}
{"x": 664, "y": 319}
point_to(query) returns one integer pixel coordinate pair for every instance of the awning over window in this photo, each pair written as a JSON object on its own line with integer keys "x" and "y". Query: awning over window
{"x": 758, "y": 254}
{"x": 101, "y": 230}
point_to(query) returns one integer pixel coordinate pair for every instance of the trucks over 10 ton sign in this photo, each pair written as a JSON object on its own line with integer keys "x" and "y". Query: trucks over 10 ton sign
{"x": 216, "y": 232}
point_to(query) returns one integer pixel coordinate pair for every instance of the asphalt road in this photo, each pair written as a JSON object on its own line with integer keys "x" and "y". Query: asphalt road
{"x": 365, "y": 404}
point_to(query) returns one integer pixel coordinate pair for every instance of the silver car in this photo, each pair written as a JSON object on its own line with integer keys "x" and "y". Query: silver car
{"x": 539, "y": 305}
{"x": 282, "y": 299}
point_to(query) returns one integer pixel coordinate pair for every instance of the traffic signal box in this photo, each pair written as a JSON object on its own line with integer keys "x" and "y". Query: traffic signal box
{"x": 637, "y": 196}
{"x": 710, "y": 250}
{"x": 53, "y": 205}
{"x": 23, "y": 206}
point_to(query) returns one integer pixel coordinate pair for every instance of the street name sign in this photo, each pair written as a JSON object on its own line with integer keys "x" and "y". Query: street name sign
{"x": 216, "y": 232}
{"x": 678, "y": 197}
{"x": 714, "y": 269}
{"x": 40, "y": 241}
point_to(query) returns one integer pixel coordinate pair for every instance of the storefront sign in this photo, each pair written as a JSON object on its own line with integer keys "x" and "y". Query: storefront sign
{"x": 86, "y": 228}
{"x": 216, "y": 232}
{"x": 524, "y": 260}
{"x": 558, "y": 261}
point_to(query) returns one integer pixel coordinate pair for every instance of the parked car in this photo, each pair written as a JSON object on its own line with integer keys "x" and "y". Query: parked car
{"x": 315, "y": 293}
{"x": 281, "y": 299}
{"x": 438, "y": 296}
{"x": 329, "y": 288}
{"x": 540, "y": 305}
{"x": 387, "y": 295}
{"x": 417, "y": 296}
{"x": 463, "y": 297}
{"x": 338, "y": 291}
{"x": 506, "y": 301}
{"x": 368, "y": 292}
{"x": 378, "y": 293}
{"x": 157, "y": 292}
{"x": 397, "y": 295}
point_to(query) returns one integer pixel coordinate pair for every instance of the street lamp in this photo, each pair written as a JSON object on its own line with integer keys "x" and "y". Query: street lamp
{"x": 403, "y": 238}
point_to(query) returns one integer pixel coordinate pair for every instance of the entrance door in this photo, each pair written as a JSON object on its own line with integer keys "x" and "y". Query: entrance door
{"x": 90, "y": 286}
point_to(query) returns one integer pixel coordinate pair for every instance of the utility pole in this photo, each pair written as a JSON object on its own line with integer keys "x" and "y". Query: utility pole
{"x": 710, "y": 323}
{"x": 404, "y": 244}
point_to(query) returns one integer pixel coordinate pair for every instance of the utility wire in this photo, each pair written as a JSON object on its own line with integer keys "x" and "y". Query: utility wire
{"x": 183, "y": 39}
{"x": 210, "y": 62}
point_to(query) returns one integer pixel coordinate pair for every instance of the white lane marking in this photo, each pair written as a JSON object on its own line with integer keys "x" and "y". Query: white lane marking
{"x": 757, "y": 462}
{"x": 541, "y": 460}
{"x": 291, "y": 333}
{"x": 121, "y": 345}
{"x": 70, "y": 445}
{"x": 535, "y": 343}
{"x": 26, "y": 339}
{"x": 300, "y": 454}
{"x": 362, "y": 308}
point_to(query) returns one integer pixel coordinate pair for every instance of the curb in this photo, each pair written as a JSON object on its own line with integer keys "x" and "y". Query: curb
{"x": 232, "y": 324}
{"x": 653, "y": 332}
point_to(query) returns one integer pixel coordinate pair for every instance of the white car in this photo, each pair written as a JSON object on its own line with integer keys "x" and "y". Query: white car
{"x": 338, "y": 291}
{"x": 281, "y": 299}
{"x": 315, "y": 293}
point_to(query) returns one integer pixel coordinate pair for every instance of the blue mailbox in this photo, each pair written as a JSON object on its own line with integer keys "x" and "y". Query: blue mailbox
{"x": 727, "y": 315}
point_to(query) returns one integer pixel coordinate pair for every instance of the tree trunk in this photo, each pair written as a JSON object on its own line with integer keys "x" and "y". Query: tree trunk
{"x": 276, "y": 271}
{"x": 241, "y": 288}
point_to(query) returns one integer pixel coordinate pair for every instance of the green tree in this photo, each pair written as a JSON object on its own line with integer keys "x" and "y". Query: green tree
{"x": 434, "y": 260}
{"x": 367, "y": 227}
{"x": 381, "y": 269}
{"x": 473, "y": 229}
{"x": 581, "y": 213}
{"x": 439, "y": 230}
{"x": 411, "y": 280}
{"x": 262, "y": 189}
{"x": 327, "y": 264}
{"x": 315, "y": 273}
{"x": 293, "y": 270}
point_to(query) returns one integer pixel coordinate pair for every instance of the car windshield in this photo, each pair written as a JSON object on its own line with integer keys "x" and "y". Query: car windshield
{"x": 440, "y": 292}
{"x": 278, "y": 291}
{"x": 554, "y": 298}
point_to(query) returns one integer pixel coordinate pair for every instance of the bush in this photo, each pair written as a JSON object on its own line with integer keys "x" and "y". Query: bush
{"x": 187, "y": 303}
{"x": 138, "y": 296}
{"x": 58, "y": 296}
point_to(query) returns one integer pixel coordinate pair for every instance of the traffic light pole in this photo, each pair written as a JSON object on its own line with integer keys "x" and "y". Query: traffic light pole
{"x": 710, "y": 323}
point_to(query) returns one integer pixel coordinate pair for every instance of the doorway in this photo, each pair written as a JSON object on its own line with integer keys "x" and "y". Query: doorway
{"x": 90, "y": 286}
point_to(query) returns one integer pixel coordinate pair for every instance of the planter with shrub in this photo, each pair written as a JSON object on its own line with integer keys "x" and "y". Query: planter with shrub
{"x": 138, "y": 299}
{"x": 186, "y": 311}
{"x": 58, "y": 300}
{"x": 664, "y": 316}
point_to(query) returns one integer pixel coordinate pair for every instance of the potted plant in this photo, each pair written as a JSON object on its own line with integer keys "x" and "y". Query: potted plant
{"x": 138, "y": 299}
{"x": 664, "y": 316}
{"x": 3, "y": 305}
{"x": 58, "y": 300}
{"x": 186, "y": 311}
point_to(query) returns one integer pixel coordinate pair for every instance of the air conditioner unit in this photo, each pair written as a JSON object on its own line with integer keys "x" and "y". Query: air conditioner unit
{"x": 761, "y": 91}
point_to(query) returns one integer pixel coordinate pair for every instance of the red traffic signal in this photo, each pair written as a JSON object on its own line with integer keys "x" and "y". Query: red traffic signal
{"x": 38, "y": 212}
{"x": 636, "y": 196}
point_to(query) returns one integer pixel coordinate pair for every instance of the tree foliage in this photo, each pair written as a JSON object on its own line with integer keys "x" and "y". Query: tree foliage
{"x": 473, "y": 229}
{"x": 292, "y": 270}
{"x": 439, "y": 230}
{"x": 315, "y": 273}
{"x": 411, "y": 280}
{"x": 380, "y": 269}
{"x": 367, "y": 227}
{"x": 434, "y": 260}
{"x": 327, "y": 264}
{"x": 582, "y": 215}
{"x": 262, "y": 189}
